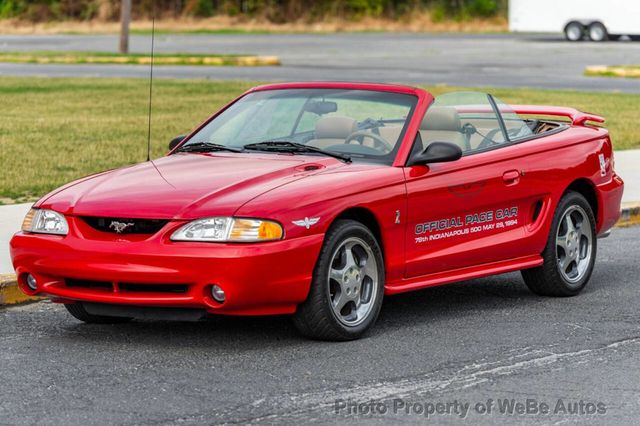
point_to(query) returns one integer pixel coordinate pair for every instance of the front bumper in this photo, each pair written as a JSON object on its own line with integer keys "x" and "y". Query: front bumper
{"x": 262, "y": 278}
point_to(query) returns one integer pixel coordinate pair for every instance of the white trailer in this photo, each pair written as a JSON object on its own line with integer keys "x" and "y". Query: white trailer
{"x": 596, "y": 20}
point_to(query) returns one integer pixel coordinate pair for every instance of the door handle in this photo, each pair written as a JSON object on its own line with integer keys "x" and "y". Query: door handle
{"x": 511, "y": 177}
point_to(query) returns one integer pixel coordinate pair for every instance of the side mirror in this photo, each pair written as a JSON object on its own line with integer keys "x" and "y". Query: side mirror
{"x": 175, "y": 141}
{"x": 437, "y": 152}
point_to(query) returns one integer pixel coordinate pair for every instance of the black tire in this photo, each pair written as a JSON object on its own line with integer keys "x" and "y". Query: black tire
{"x": 574, "y": 31}
{"x": 597, "y": 32}
{"x": 78, "y": 311}
{"x": 548, "y": 280}
{"x": 315, "y": 317}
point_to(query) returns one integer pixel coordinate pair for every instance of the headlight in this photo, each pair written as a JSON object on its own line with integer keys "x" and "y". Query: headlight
{"x": 229, "y": 229}
{"x": 43, "y": 221}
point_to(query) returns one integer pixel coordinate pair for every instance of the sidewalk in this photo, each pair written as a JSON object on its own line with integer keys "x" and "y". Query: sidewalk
{"x": 10, "y": 223}
{"x": 627, "y": 166}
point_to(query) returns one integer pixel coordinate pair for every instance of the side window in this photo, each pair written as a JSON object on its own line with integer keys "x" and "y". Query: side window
{"x": 467, "y": 119}
{"x": 517, "y": 128}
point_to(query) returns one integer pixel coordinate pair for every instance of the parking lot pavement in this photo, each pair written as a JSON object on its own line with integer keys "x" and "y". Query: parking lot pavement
{"x": 485, "y": 339}
{"x": 501, "y": 60}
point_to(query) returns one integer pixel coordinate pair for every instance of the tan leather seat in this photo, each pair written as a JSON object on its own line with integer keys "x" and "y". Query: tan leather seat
{"x": 442, "y": 124}
{"x": 333, "y": 130}
{"x": 390, "y": 133}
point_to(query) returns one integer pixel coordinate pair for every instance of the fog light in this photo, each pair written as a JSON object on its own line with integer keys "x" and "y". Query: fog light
{"x": 31, "y": 282}
{"x": 217, "y": 293}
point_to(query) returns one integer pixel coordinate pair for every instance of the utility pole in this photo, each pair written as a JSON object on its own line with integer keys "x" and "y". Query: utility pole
{"x": 125, "y": 20}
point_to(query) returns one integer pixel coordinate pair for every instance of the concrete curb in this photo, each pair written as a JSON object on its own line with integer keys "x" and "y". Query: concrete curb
{"x": 10, "y": 294}
{"x": 629, "y": 215}
{"x": 196, "y": 60}
{"x": 612, "y": 71}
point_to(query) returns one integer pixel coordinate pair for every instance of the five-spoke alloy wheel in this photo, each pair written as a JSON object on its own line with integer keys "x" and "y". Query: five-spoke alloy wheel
{"x": 574, "y": 243}
{"x": 347, "y": 287}
{"x": 353, "y": 281}
{"x": 570, "y": 252}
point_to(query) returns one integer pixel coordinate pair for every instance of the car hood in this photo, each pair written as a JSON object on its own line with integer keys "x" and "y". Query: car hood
{"x": 183, "y": 186}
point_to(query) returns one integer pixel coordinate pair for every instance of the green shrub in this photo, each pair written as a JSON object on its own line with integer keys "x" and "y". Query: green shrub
{"x": 273, "y": 10}
{"x": 203, "y": 8}
{"x": 359, "y": 8}
{"x": 12, "y": 8}
{"x": 483, "y": 8}
{"x": 438, "y": 13}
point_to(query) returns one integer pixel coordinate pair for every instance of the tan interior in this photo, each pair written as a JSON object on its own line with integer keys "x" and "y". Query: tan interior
{"x": 442, "y": 124}
{"x": 333, "y": 130}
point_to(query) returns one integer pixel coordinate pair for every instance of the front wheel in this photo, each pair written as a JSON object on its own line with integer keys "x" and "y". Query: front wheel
{"x": 347, "y": 287}
{"x": 570, "y": 252}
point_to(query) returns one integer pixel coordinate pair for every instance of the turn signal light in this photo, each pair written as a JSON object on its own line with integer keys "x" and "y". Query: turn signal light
{"x": 27, "y": 223}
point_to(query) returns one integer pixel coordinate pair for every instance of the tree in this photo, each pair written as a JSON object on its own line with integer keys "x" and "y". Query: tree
{"x": 125, "y": 19}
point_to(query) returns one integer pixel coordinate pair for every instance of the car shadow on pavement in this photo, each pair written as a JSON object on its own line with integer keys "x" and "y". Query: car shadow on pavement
{"x": 429, "y": 305}
{"x": 439, "y": 306}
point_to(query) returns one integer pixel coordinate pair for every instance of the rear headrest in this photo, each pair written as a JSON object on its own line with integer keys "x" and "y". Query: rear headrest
{"x": 335, "y": 127}
{"x": 441, "y": 118}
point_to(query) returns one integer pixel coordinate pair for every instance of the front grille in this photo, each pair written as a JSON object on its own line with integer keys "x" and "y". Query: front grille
{"x": 152, "y": 288}
{"x": 102, "y": 285}
{"x": 125, "y": 226}
{"x": 127, "y": 287}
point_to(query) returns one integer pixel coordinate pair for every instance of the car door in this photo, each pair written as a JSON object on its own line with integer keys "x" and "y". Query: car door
{"x": 471, "y": 211}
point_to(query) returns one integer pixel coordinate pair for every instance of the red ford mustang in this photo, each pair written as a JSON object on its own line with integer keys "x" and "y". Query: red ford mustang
{"x": 317, "y": 199}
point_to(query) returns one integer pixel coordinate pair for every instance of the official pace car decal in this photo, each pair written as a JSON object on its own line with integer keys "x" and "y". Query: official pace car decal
{"x": 469, "y": 224}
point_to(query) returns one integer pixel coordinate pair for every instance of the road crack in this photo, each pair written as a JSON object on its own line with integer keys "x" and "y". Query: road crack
{"x": 316, "y": 403}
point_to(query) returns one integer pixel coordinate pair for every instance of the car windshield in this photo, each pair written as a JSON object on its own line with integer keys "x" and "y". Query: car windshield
{"x": 364, "y": 125}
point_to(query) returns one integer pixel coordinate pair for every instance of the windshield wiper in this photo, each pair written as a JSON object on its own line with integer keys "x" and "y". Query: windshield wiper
{"x": 206, "y": 147}
{"x": 288, "y": 146}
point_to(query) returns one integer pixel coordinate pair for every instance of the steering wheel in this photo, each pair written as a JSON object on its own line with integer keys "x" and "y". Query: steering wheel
{"x": 488, "y": 141}
{"x": 369, "y": 123}
{"x": 377, "y": 139}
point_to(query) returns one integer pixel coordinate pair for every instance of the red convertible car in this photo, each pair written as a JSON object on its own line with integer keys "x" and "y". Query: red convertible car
{"x": 318, "y": 199}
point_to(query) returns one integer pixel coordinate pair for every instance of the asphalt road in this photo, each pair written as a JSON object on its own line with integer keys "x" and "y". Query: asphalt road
{"x": 503, "y": 60}
{"x": 468, "y": 342}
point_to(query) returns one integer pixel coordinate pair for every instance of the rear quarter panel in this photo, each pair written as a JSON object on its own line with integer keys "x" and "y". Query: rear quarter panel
{"x": 555, "y": 162}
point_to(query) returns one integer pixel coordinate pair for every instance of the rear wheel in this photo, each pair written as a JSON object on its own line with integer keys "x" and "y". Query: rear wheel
{"x": 347, "y": 287}
{"x": 79, "y": 312}
{"x": 597, "y": 32}
{"x": 574, "y": 31}
{"x": 570, "y": 252}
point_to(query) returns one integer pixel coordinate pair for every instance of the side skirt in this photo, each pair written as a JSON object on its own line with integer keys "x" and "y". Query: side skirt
{"x": 463, "y": 274}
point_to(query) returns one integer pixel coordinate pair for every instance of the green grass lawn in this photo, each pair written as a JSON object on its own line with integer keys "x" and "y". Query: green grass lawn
{"x": 54, "y": 130}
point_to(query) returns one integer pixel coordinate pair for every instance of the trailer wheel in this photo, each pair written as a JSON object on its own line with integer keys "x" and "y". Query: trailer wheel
{"x": 574, "y": 31}
{"x": 597, "y": 32}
